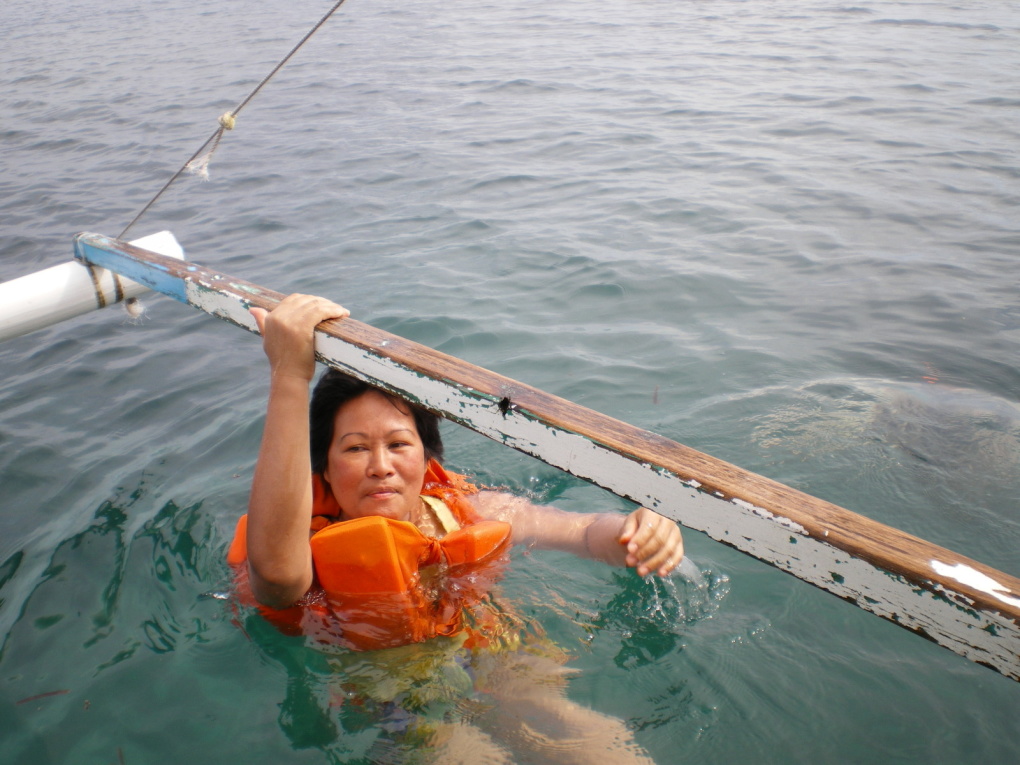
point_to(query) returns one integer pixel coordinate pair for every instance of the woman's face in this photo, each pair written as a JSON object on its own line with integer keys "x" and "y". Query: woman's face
{"x": 376, "y": 461}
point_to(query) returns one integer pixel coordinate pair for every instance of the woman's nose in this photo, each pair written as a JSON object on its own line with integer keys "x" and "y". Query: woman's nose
{"x": 380, "y": 464}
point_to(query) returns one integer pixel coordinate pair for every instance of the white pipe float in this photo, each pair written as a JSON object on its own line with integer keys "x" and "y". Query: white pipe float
{"x": 71, "y": 289}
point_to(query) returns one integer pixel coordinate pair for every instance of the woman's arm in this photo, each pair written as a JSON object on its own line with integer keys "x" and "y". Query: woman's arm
{"x": 643, "y": 540}
{"x": 280, "y": 505}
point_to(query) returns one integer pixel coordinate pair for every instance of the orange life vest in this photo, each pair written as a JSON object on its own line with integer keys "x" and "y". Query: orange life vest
{"x": 382, "y": 583}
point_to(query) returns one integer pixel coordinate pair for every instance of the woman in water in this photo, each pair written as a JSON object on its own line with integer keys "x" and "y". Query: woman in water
{"x": 373, "y": 470}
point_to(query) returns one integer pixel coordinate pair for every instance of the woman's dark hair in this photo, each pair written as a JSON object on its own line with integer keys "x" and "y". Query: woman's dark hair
{"x": 335, "y": 389}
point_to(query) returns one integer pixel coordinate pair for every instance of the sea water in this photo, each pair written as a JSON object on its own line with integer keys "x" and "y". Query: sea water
{"x": 784, "y": 234}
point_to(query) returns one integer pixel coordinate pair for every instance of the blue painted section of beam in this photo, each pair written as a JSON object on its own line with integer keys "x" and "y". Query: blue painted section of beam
{"x": 109, "y": 253}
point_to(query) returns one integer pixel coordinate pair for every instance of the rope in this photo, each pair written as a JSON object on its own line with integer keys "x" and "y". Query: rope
{"x": 198, "y": 163}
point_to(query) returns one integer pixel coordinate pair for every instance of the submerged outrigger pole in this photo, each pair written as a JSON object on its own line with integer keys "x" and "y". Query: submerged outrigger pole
{"x": 961, "y": 604}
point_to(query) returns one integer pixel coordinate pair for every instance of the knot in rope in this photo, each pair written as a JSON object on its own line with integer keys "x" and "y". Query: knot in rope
{"x": 199, "y": 162}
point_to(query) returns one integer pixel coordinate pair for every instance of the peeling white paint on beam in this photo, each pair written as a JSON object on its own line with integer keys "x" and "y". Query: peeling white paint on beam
{"x": 770, "y": 516}
{"x": 221, "y": 304}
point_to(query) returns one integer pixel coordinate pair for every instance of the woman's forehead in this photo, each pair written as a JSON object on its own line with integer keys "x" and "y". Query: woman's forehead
{"x": 372, "y": 412}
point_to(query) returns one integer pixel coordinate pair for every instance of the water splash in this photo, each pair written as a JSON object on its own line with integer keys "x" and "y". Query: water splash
{"x": 652, "y": 614}
{"x": 679, "y": 596}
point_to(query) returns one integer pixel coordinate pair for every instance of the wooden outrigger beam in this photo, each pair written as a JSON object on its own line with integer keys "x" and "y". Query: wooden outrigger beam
{"x": 961, "y": 604}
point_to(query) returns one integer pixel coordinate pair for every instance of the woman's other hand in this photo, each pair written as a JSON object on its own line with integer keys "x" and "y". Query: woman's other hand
{"x": 288, "y": 332}
{"x": 644, "y": 540}
{"x": 653, "y": 542}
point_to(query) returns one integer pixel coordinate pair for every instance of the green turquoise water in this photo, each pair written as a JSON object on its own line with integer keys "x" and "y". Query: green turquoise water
{"x": 781, "y": 233}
